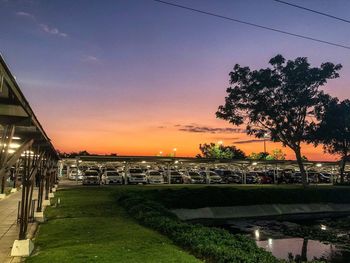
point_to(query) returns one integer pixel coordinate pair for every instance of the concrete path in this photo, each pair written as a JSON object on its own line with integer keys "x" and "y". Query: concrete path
{"x": 8, "y": 225}
{"x": 9, "y": 229}
{"x": 261, "y": 211}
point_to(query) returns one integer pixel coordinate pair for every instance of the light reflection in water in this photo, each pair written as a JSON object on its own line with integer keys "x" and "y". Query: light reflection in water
{"x": 257, "y": 234}
{"x": 309, "y": 249}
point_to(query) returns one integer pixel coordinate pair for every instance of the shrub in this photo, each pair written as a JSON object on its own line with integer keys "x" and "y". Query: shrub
{"x": 211, "y": 244}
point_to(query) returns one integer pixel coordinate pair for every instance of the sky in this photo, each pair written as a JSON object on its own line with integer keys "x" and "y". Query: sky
{"x": 136, "y": 77}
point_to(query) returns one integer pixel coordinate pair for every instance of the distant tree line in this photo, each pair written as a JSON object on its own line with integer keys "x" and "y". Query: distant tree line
{"x": 75, "y": 154}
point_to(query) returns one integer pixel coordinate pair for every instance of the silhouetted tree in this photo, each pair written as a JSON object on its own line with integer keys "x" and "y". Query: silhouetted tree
{"x": 72, "y": 154}
{"x": 279, "y": 100}
{"x": 277, "y": 154}
{"x": 258, "y": 156}
{"x": 333, "y": 131}
{"x": 84, "y": 153}
{"x": 219, "y": 151}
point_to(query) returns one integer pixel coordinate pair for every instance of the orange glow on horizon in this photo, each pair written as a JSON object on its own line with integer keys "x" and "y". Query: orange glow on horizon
{"x": 150, "y": 141}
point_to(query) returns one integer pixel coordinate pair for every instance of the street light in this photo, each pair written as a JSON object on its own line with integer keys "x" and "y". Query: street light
{"x": 174, "y": 150}
{"x": 266, "y": 135}
{"x": 160, "y": 153}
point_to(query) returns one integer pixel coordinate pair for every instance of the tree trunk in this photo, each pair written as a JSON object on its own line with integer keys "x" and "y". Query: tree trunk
{"x": 301, "y": 166}
{"x": 342, "y": 168}
{"x": 304, "y": 250}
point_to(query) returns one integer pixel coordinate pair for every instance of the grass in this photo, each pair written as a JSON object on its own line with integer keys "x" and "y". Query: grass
{"x": 89, "y": 226}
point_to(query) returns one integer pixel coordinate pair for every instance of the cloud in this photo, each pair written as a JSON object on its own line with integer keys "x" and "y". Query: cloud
{"x": 44, "y": 27}
{"x": 221, "y": 138}
{"x": 25, "y": 14}
{"x": 91, "y": 59}
{"x": 207, "y": 129}
{"x": 52, "y": 30}
{"x": 248, "y": 141}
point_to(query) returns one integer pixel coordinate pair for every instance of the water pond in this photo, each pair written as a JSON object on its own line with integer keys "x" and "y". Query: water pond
{"x": 327, "y": 239}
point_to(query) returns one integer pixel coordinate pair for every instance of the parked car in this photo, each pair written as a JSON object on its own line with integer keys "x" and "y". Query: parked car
{"x": 346, "y": 176}
{"x": 324, "y": 178}
{"x": 196, "y": 178}
{"x": 251, "y": 178}
{"x": 296, "y": 178}
{"x": 107, "y": 168}
{"x": 75, "y": 175}
{"x": 72, "y": 175}
{"x": 214, "y": 178}
{"x": 312, "y": 177}
{"x": 136, "y": 176}
{"x": 154, "y": 177}
{"x": 264, "y": 178}
{"x": 112, "y": 177}
{"x": 229, "y": 176}
{"x": 91, "y": 177}
{"x": 177, "y": 177}
{"x": 95, "y": 168}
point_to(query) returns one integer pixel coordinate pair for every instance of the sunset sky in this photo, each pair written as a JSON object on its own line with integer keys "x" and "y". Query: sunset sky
{"x": 136, "y": 77}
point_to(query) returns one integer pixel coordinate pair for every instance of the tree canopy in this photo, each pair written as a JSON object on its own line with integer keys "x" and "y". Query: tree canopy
{"x": 333, "y": 130}
{"x": 280, "y": 99}
{"x": 276, "y": 154}
{"x": 220, "y": 151}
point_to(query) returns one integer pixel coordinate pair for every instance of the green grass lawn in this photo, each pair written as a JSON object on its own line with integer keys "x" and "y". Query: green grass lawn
{"x": 89, "y": 226}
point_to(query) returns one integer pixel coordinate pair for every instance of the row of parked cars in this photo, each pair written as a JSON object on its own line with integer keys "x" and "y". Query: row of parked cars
{"x": 159, "y": 175}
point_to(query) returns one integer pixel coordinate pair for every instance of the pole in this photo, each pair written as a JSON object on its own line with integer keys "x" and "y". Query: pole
{"x": 207, "y": 173}
{"x": 77, "y": 165}
{"x": 126, "y": 173}
{"x": 169, "y": 174}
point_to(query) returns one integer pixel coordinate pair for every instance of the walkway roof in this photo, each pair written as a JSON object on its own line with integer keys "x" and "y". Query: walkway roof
{"x": 15, "y": 110}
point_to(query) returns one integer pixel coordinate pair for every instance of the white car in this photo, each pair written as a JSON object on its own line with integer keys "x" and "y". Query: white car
{"x": 112, "y": 177}
{"x": 91, "y": 177}
{"x": 214, "y": 178}
{"x": 154, "y": 177}
{"x": 136, "y": 176}
{"x": 73, "y": 174}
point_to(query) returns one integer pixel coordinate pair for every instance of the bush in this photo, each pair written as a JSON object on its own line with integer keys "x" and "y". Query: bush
{"x": 211, "y": 244}
{"x": 230, "y": 196}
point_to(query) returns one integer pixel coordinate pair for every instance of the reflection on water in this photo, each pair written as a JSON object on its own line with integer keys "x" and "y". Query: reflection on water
{"x": 304, "y": 249}
{"x": 287, "y": 240}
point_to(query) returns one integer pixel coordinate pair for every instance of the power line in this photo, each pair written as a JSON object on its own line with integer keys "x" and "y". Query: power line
{"x": 252, "y": 24}
{"x": 313, "y": 11}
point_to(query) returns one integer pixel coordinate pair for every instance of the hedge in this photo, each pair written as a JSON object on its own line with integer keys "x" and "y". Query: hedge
{"x": 208, "y": 243}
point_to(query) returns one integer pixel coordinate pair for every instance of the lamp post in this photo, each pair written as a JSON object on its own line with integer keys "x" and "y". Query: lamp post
{"x": 174, "y": 151}
{"x": 264, "y": 139}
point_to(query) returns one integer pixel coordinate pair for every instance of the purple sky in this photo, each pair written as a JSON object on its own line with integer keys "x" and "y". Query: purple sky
{"x": 120, "y": 70}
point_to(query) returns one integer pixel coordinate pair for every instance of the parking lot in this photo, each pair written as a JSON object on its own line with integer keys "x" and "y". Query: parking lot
{"x": 90, "y": 170}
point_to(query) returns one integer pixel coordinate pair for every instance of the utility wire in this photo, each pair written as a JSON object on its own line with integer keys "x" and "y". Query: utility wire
{"x": 252, "y": 24}
{"x": 313, "y": 11}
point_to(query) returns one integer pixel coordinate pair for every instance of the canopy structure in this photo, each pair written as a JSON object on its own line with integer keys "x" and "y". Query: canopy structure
{"x": 16, "y": 111}
{"x": 26, "y": 152}
{"x": 159, "y": 159}
{"x": 152, "y": 162}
